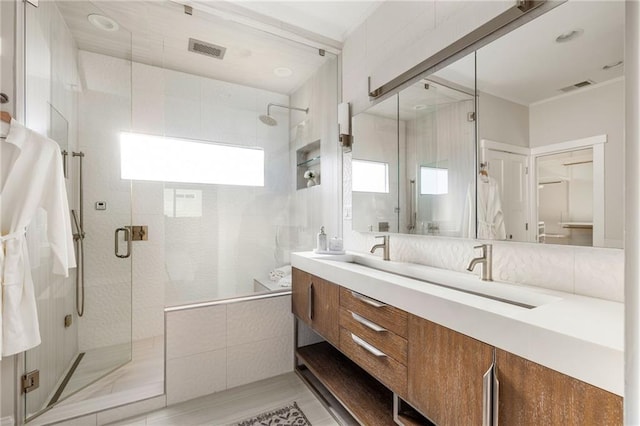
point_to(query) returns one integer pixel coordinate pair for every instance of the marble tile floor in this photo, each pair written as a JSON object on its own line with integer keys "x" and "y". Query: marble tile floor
{"x": 234, "y": 405}
{"x": 141, "y": 378}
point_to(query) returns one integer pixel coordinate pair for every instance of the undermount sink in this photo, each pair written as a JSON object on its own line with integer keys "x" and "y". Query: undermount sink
{"x": 466, "y": 283}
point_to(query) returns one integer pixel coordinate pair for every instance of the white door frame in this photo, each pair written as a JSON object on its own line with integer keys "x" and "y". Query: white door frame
{"x": 597, "y": 144}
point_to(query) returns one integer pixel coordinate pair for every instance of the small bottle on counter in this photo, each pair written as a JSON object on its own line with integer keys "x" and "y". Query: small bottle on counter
{"x": 322, "y": 240}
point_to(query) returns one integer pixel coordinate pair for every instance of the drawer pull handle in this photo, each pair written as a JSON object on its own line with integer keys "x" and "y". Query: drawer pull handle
{"x": 366, "y": 346}
{"x": 369, "y": 324}
{"x": 367, "y": 300}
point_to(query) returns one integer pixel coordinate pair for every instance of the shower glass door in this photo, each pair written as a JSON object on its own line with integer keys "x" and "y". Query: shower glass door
{"x": 82, "y": 100}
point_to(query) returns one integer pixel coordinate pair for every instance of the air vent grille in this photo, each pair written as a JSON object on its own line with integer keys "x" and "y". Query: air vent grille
{"x": 208, "y": 49}
{"x": 577, "y": 86}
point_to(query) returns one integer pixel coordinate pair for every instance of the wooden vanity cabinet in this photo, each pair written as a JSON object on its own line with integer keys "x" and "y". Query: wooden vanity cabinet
{"x": 436, "y": 370}
{"x": 445, "y": 373}
{"x": 316, "y": 302}
{"x": 531, "y": 394}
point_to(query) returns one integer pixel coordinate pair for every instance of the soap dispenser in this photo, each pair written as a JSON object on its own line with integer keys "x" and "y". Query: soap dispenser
{"x": 322, "y": 240}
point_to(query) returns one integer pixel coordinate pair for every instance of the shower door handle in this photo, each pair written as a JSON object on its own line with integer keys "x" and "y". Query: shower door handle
{"x": 127, "y": 237}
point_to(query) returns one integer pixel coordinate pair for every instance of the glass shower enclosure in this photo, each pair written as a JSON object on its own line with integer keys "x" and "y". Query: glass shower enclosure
{"x": 58, "y": 87}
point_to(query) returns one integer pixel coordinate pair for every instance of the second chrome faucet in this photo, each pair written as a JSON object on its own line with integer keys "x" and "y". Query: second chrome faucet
{"x": 486, "y": 260}
{"x": 384, "y": 246}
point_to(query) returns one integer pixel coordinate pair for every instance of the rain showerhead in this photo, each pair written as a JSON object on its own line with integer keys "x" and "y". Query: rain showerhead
{"x": 270, "y": 121}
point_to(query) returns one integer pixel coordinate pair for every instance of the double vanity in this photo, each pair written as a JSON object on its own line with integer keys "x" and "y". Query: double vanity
{"x": 410, "y": 344}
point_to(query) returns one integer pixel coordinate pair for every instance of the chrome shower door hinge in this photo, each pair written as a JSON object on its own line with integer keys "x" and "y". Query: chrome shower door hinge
{"x": 31, "y": 381}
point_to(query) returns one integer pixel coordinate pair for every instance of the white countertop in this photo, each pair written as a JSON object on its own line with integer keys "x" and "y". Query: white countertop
{"x": 580, "y": 336}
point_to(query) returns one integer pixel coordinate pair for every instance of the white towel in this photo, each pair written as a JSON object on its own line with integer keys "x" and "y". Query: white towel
{"x": 285, "y": 281}
{"x": 281, "y": 272}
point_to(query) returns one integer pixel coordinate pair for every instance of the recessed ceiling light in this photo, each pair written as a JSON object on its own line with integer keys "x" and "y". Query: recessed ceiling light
{"x": 612, "y": 65}
{"x": 103, "y": 22}
{"x": 569, "y": 35}
{"x": 283, "y": 72}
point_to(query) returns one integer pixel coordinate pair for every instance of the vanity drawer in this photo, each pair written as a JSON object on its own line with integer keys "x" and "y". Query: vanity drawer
{"x": 386, "y": 316}
{"x": 383, "y": 339}
{"x": 381, "y": 366}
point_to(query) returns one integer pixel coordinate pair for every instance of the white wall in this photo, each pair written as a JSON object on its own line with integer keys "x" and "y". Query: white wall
{"x": 632, "y": 212}
{"x": 400, "y": 34}
{"x": 590, "y": 112}
{"x": 503, "y": 121}
{"x": 311, "y": 208}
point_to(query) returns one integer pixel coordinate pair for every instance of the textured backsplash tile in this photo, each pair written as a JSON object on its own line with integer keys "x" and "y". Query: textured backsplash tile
{"x": 549, "y": 266}
{"x": 594, "y": 272}
{"x": 599, "y": 273}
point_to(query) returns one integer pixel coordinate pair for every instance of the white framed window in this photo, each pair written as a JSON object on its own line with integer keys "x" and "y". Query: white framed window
{"x": 370, "y": 176}
{"x": 165, "y": 159}
{"x": 433, "y": 181}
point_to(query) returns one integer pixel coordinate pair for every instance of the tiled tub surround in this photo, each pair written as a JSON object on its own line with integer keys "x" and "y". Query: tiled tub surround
{"x": 224, "y": 345}
{"x": 585, "y": 271}
{"x": 582, "y": 337}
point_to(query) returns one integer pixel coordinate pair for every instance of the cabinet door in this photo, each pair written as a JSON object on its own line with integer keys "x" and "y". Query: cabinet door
{"x": 300, "y": 282}
{"x": 531, "y": 394}
{"x": 316, "y": 302}
{"x": 445, "y": 370}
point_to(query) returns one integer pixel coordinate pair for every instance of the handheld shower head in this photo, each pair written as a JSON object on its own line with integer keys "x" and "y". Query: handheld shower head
{"x": 270, "y": 121}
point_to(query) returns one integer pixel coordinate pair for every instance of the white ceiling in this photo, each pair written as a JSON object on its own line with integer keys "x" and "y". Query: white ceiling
{"x": 156, "y": 32}
{"x": 332, "y": 19}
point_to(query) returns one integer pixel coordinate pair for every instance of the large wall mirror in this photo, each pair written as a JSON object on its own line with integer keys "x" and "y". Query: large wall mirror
{"x": 413, "y": 158}
{"x": 550, "y": 111}
{"x": 551, "y": 123}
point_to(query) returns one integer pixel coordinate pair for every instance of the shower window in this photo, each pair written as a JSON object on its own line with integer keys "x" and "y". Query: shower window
{"x": 370, "y": 176}
{"x": 157, "y": 158}
{"x": 433, "y": 181}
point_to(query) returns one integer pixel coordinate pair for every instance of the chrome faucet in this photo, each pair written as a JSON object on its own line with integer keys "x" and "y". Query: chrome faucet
{"x": 384, "y": 246}
{"x": 486, "y": 260}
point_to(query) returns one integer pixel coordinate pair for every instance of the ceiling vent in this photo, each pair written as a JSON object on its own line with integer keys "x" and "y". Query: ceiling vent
{"x": 577, "y": 86}
{"x": 208, "y": 49}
